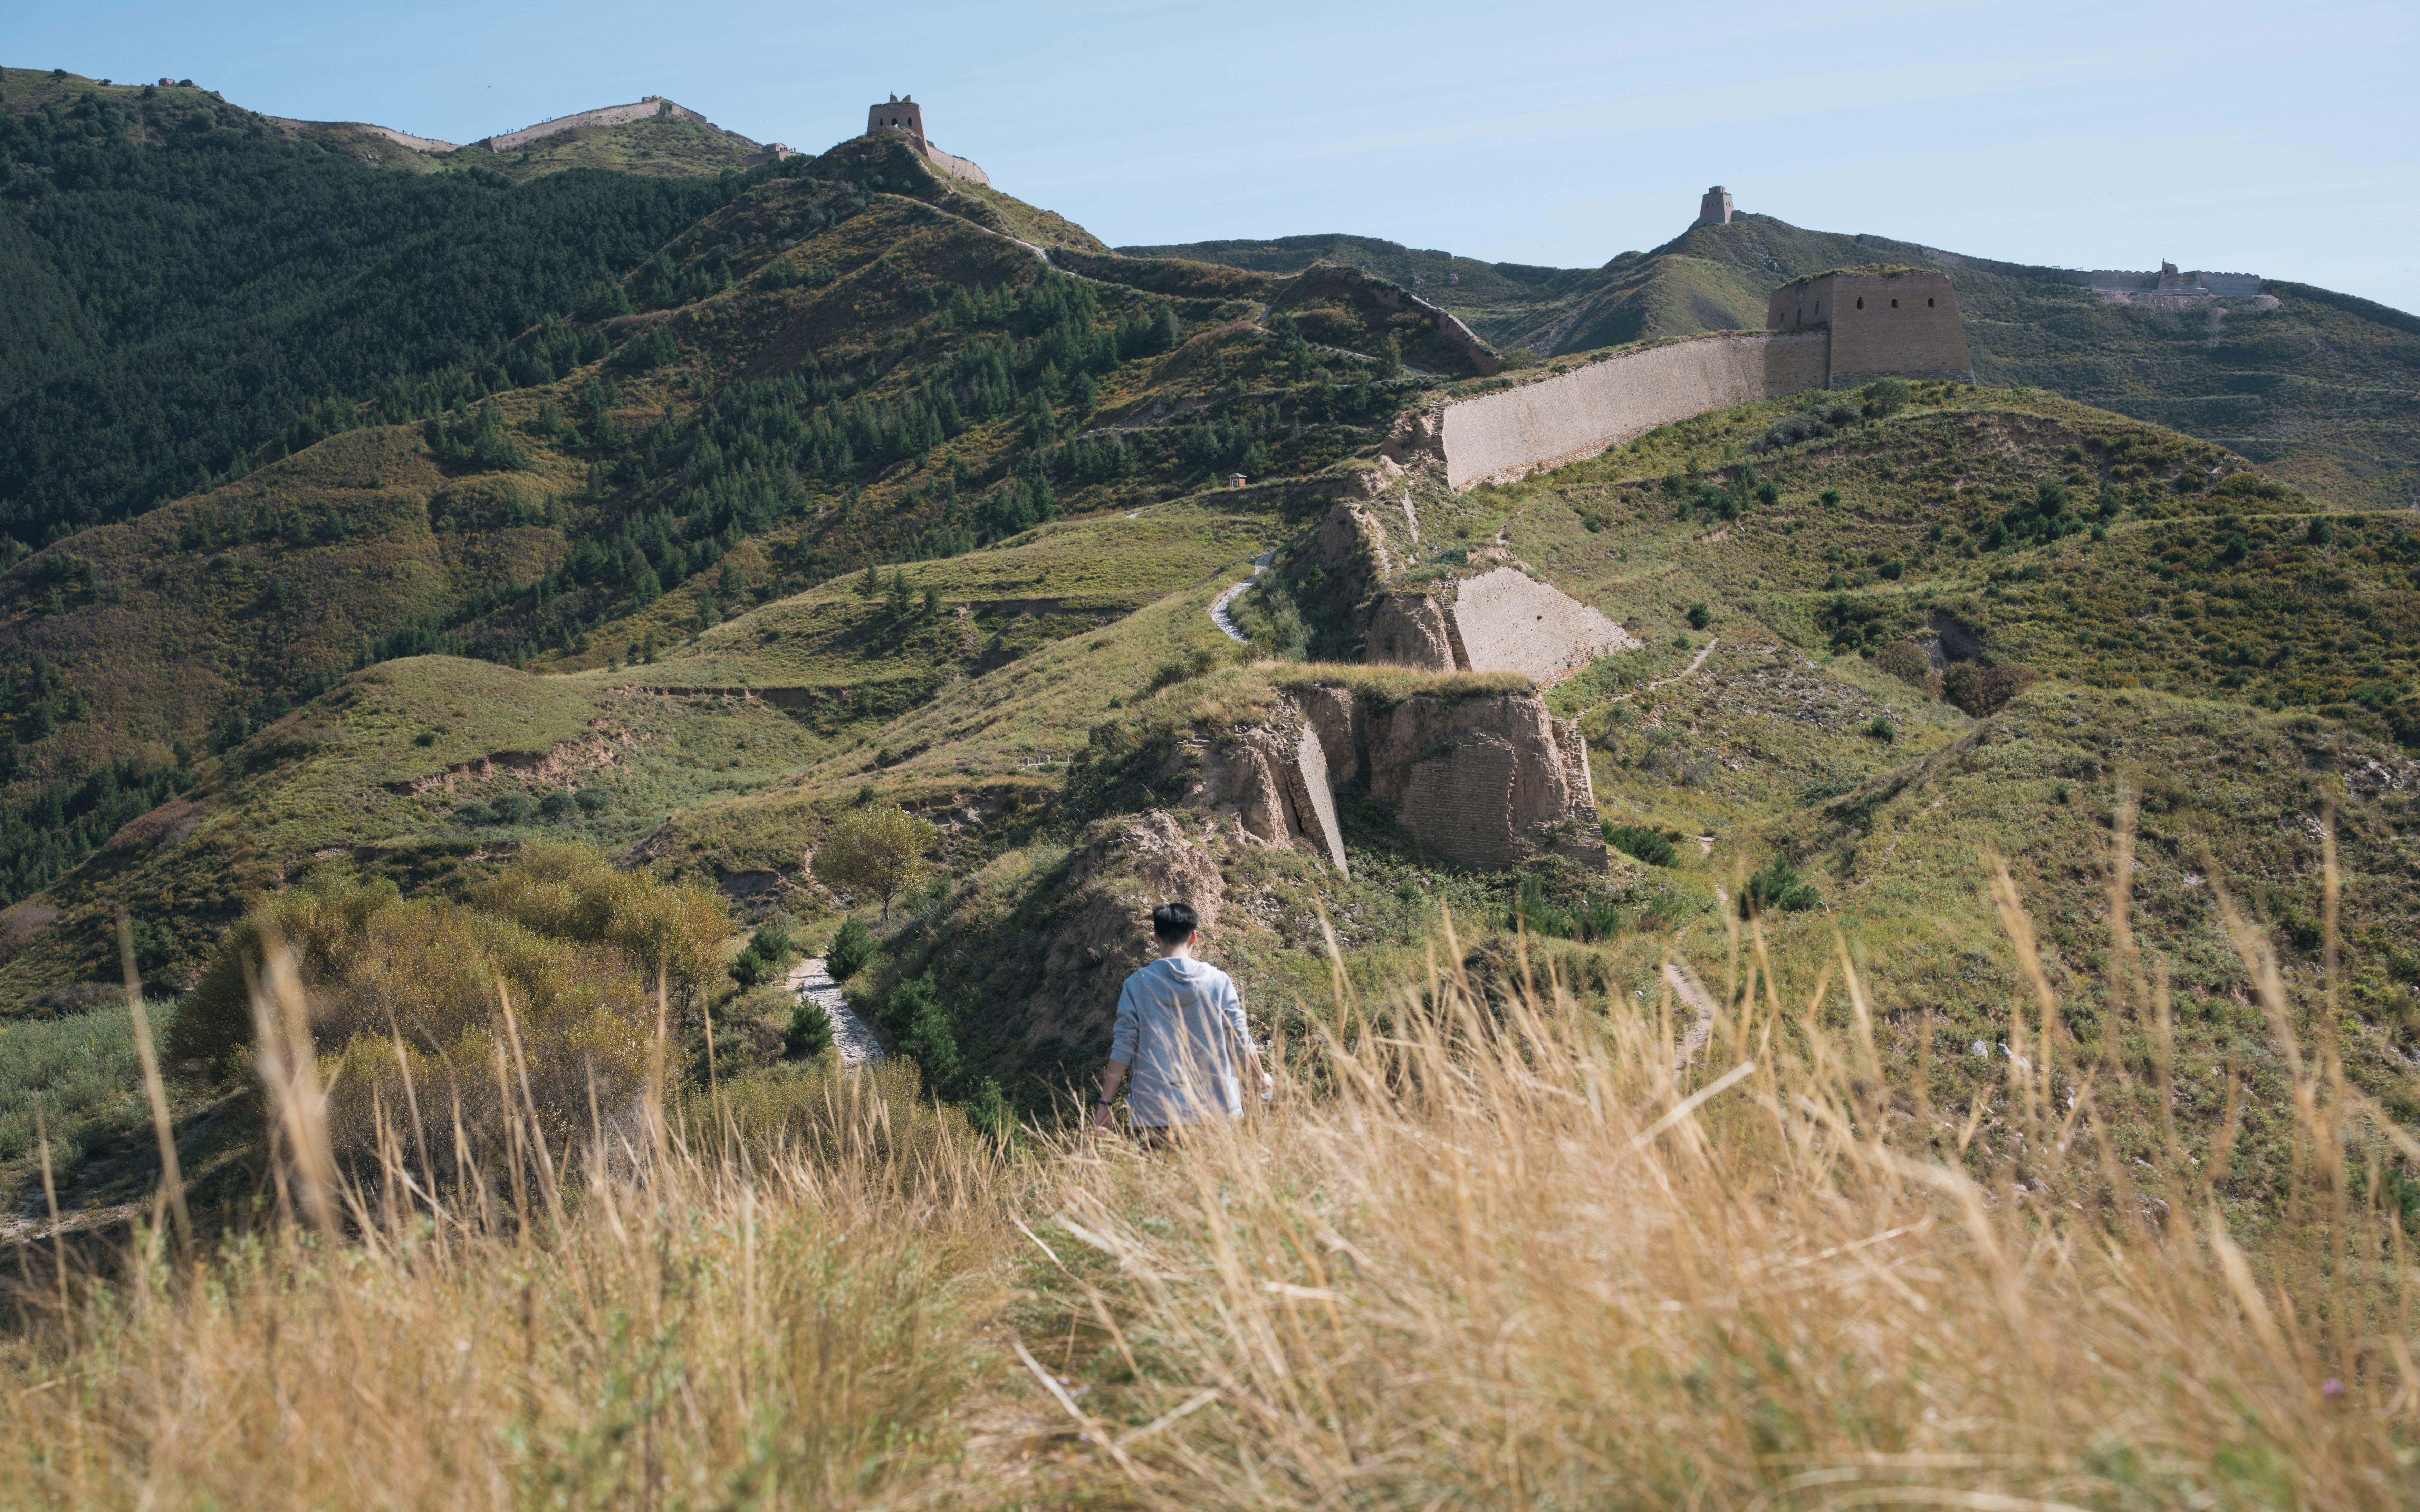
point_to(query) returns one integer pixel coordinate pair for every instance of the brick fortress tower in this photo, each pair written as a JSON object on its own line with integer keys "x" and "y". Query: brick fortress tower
{"x": 901, "y": 112}
{"x": 1898, "y": 322}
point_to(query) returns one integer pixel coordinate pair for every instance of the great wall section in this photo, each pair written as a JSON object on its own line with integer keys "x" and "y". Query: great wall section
{"x": 1482, "y": 778}
{"x": 1833, "y": 329}
{"x": 1532, "y": 426}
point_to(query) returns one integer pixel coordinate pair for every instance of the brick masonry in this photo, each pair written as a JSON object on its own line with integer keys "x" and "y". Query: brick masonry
{"x": 1881, "y": 325}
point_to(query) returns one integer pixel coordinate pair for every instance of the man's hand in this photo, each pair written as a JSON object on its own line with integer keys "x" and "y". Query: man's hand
{"x": 1103, "y": 1116}
{"x": 1112, "y": 1076}
{"x": 1268, "y": 1085}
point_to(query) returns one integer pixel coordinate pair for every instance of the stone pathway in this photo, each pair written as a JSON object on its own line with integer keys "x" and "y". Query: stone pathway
{"x": 857, "y": 1043}
{"x": 1219, "y": 605}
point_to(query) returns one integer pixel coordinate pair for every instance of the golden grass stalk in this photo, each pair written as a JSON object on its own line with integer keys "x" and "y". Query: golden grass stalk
{"x": 1486, "y": 1248}
{"x": 172, "y": 1179}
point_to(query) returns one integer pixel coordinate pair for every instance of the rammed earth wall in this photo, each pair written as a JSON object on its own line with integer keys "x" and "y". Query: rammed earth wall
{"x": 1510, "y": 622}
{"x": 1577, "y": 415}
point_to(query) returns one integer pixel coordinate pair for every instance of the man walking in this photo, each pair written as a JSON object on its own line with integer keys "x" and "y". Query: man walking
{"x": 1180, "y": 1026}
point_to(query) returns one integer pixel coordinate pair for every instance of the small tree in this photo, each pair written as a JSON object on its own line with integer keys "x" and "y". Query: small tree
{"x": 851, "y": 949}
{"x": 810, "y": 1033}
{"x": 875, "y": 853}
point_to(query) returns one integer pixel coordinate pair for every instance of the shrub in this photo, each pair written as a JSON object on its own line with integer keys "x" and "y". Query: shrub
{"x": 591, "y": 800}
{"x": 851, "y": 949}
{"x": 749, "y": 969}
{"x": 556, "y": 805}
{"x": 1699, "y": 617}
{"x": 1778, "y": 887}
{"x": 1881, "y": 730}
{"x": 474, "y": 812}
{"x": 570, "y": 891}
{"x": 915, "y": 1014}
{"x": 1885, "y": 398}
{"x": 1649, "y": 845}
{"x": 378, "y": 968}
{"x": 810, "y": 1031}
{"x": 511, "y": 807}
{"x": 1907, "y": 661}
{"x": 1981, "y": 690}
{"x": 768, "y": 952}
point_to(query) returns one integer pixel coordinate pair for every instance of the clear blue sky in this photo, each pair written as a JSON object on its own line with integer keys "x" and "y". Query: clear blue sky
{"x": 2282, "y": 140}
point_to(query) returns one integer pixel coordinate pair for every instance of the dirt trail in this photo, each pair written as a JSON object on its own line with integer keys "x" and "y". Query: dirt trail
{"x": 857, "y": 1043}
{"x": 1693, "y": 996}
{"x": 1219, "y": 605}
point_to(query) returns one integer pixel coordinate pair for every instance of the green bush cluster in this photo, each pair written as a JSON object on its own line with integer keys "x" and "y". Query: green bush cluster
{"x": 1777, "y": 889}
{"x": 1649, "y": 845}
{"x": 1591, "y": 917}
{"x": 768, "y": 952}
{"x": 521, "y": 809}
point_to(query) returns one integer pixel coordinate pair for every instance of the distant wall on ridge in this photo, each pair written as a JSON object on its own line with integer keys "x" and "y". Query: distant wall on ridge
{"x": 1580, "y": 413}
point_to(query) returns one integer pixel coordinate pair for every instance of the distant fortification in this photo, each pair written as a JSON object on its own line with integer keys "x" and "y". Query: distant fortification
{"x": 1882, "y": 322}
{"x": 1833, "y": 329}
{"x": 901, "y": 112}
{"x": 654, "y": 107}
{"x": 1580, "y": 413}
{"x": 1716, "y": 209}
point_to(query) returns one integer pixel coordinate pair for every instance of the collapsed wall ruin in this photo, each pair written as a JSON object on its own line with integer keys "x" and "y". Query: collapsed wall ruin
{"x": 1485, "y": 780}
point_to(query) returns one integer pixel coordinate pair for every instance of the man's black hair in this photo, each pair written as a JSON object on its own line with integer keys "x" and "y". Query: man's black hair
{"x": 1173, "y": 923}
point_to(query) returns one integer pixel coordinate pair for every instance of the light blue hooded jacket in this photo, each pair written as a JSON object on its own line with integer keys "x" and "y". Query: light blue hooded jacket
{"x": 1181, "y": 1029}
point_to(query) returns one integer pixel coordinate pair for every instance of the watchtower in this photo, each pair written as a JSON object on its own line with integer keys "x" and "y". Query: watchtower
{"x": 1883, "y": 322}
{"x": 1716, "y": 209}
{"x": 902, "y": 114}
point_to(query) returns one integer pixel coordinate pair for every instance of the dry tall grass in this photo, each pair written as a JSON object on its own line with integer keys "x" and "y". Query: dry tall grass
{"x": 1504, "y": 1254}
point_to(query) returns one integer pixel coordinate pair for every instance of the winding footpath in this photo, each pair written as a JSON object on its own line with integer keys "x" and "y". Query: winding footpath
{"x": 857, "y": 1044}
{"x": 1219, "y": 605}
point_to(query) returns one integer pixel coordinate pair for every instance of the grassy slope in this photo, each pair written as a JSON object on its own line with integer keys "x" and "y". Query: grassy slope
{"x": 204, "y": 603}
{"x": 348, "y": 779}
{"x": 1767, "y": 750}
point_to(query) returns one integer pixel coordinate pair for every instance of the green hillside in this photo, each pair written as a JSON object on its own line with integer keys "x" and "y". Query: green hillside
{"x": 2324, "y": 390}
{"x": 855, "y": 487}
{"x": 851, "y": 363}
{"x": 188, "y": 285}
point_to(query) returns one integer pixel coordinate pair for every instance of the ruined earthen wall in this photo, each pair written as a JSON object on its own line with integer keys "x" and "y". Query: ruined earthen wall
{"x": 1580, "y": 413}
{"x": 1509, "y": 622}
{"x": 610, "y": 115}
{"x": 1314, "y": 804}
{"x": 956, "y": 167}
{"x": 1457, "y": 804}
{"x": 1410, "y": 630}
{"x": 402, "y": 139}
